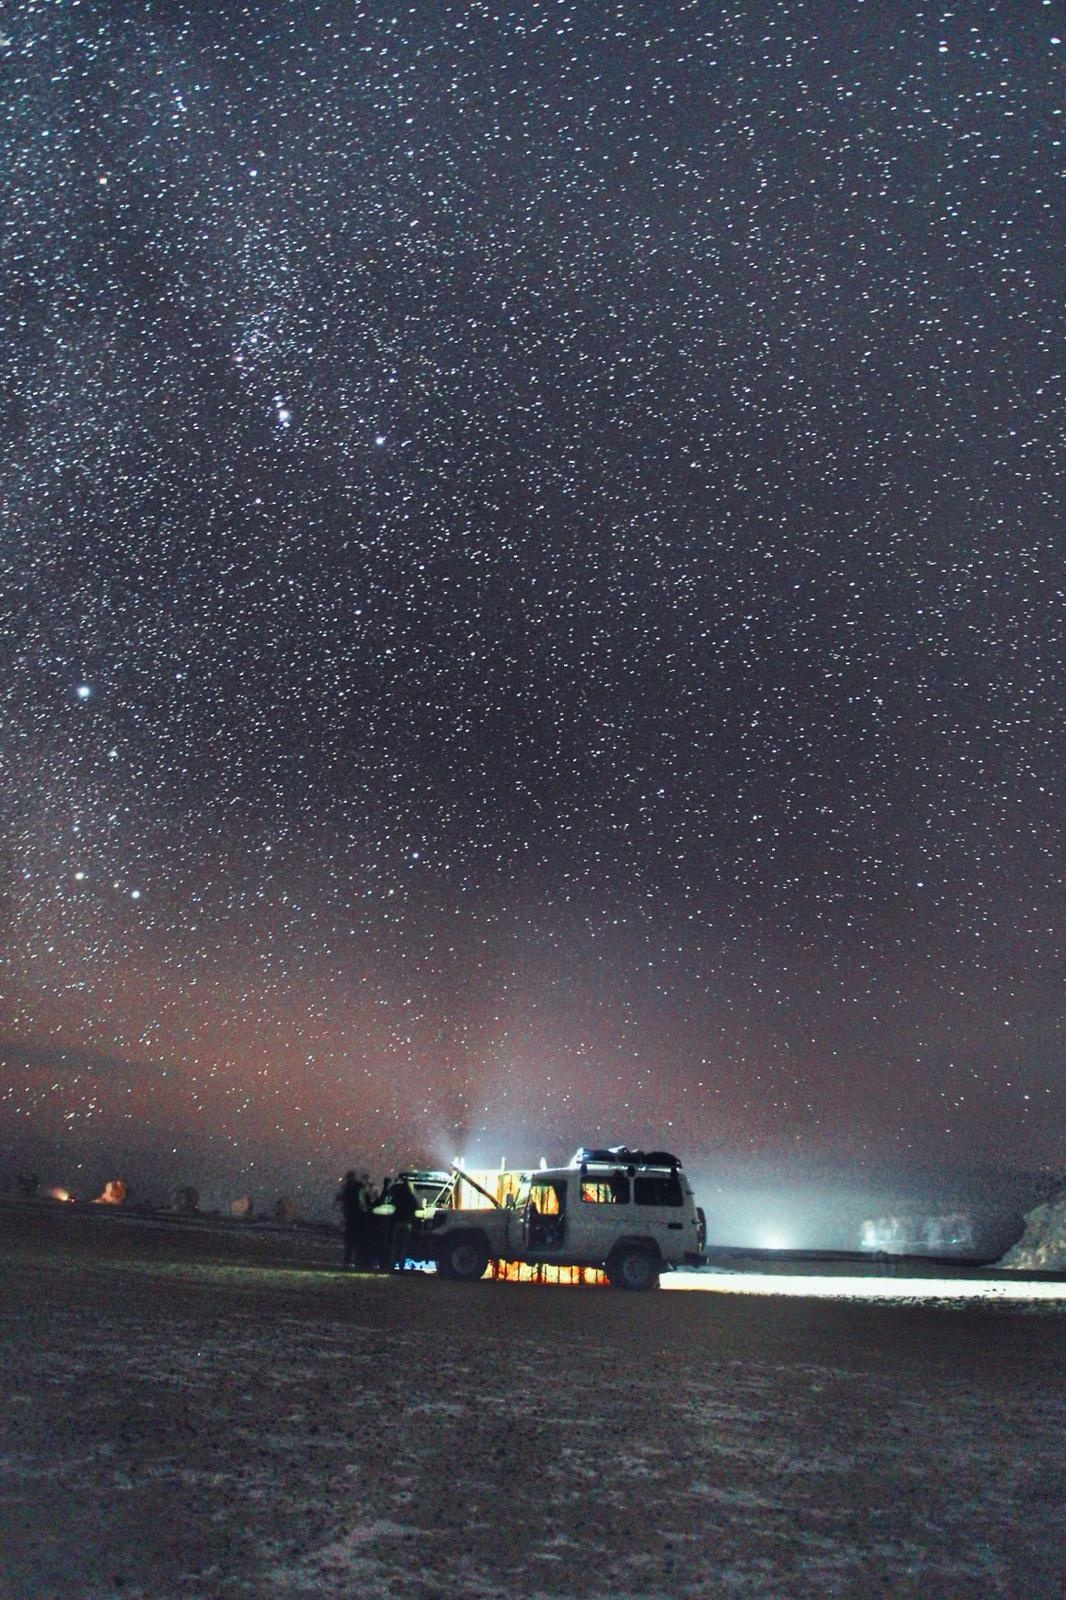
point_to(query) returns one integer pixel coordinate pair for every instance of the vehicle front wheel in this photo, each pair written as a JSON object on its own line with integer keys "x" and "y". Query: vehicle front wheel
{"x": 633, "y": 1267}
{"x": 463, "y": 1259}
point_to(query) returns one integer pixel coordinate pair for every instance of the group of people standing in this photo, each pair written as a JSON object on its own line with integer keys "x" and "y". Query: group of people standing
{"x": 377, "y": 1240}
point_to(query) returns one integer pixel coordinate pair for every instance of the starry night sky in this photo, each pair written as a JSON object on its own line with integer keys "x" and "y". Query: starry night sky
{"x": 531, "y": 583}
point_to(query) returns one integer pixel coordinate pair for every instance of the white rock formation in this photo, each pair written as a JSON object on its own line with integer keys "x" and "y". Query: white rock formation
{"x": 1042, "y": 1247}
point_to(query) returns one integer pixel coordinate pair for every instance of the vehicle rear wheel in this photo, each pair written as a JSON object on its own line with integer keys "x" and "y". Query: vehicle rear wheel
{"x": 633, "y": 1267}
{"x": 463, "y": 1258}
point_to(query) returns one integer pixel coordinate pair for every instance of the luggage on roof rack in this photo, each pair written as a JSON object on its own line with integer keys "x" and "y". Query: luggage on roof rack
{"x": 661, "y": 1158}
{"x": 620, "y": 1155}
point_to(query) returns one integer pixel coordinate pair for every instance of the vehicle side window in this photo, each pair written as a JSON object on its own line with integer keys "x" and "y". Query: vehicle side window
{"x": 659, "y": 1191}
{"x": 613, "y": 1191}
{"x": 549, "y": 1198}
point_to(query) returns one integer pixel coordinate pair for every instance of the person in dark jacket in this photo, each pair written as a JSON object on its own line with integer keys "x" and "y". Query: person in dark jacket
{"x": 404, "y": 1202}
{"x": 355, "y": 1209}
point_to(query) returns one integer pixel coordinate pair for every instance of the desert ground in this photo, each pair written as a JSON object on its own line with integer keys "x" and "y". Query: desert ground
{"x": 209, "y": 1411}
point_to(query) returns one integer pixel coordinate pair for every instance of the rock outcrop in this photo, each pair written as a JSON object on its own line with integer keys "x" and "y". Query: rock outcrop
{"x": 1042, "y": 1247}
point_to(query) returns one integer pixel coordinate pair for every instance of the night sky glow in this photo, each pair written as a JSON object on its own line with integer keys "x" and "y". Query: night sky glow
{"x": 531, "y": 582}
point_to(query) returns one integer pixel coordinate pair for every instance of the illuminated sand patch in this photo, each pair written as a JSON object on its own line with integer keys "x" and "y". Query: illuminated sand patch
{"x": 823, "y": 1287}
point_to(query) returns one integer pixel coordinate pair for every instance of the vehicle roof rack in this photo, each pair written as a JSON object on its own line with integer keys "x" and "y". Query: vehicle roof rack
{"x": 620, "y": 1155}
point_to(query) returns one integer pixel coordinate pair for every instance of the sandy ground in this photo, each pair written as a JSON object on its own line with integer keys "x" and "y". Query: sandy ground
{"x": 194, "y": 1413}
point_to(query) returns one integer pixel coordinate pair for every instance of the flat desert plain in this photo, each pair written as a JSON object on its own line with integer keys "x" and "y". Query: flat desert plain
{"x": 197, "y": 1411}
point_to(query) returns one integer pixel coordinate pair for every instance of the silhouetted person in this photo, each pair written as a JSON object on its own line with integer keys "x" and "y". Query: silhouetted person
{"x": 355, "y": 1207}
{"x": 405, "y": 1209}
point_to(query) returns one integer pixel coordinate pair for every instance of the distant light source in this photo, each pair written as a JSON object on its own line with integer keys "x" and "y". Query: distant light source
{"x": 114, "y": 1193}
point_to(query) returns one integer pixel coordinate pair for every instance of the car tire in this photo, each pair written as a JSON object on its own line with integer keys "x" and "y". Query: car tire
{"x": 463, "y": 1258}
{"x": 634, "y": 1268}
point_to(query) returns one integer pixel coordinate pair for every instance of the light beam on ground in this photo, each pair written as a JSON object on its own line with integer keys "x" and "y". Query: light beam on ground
{"x": 840, "y": 1288}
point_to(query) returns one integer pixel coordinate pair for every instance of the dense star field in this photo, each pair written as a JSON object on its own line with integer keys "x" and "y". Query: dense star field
{"x": 531, "y": 582}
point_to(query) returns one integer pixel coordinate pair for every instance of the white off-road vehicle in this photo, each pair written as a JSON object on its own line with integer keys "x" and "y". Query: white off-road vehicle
{"x": 630, "y": 1213}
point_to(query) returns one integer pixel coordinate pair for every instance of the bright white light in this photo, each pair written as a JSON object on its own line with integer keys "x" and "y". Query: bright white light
{"x": 83, "y": 691}
{"x": 830, "y": 1288}
{"x": 381, "y": 438}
